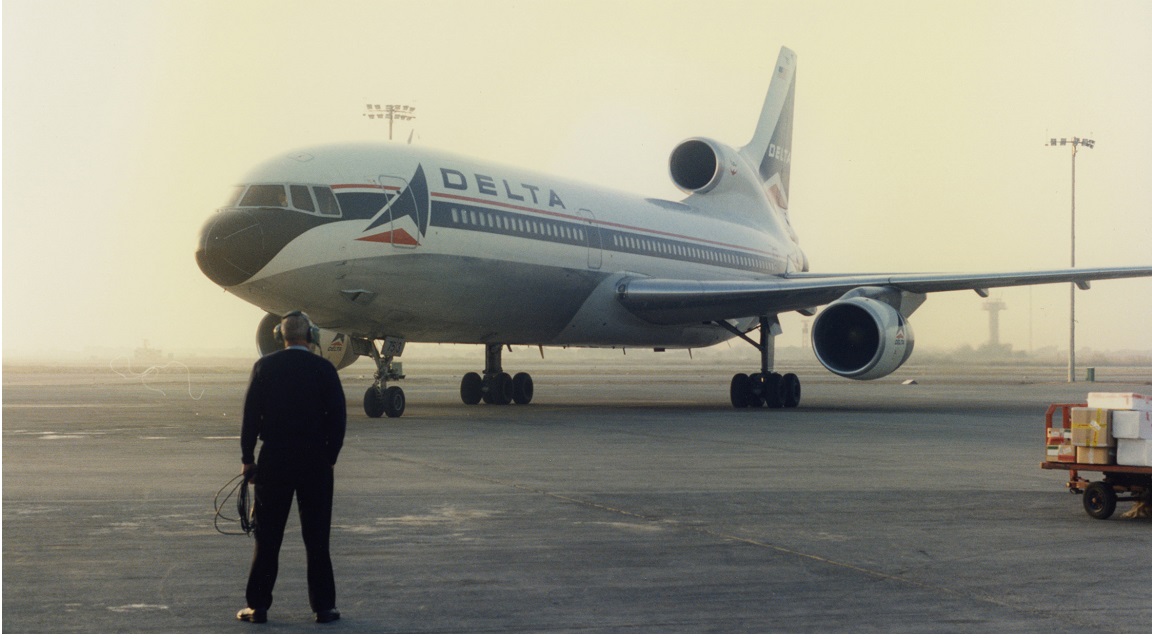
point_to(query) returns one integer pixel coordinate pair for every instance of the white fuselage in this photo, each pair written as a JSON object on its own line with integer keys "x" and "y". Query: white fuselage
{"x": 494, "y": 254}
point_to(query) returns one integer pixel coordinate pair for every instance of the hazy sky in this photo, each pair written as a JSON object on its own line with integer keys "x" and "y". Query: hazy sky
{"x": 918, "y": 141}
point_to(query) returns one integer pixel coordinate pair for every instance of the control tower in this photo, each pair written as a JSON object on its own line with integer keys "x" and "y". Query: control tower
{"x": 994, "y": 307}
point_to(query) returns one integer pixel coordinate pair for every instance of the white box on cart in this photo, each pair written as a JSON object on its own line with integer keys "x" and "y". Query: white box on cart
{"x": 1120, "y": 401}
{"x": 1133, "y": 452}
{"x": 1132, "y": 424}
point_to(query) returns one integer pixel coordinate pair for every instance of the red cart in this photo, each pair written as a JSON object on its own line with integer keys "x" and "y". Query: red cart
{"x": 1120, "y": 483}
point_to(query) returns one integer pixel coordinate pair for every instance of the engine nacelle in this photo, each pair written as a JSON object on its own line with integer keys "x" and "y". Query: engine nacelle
{"x": 698, "y": 165}
{"x": 862, "y": 338}
{"x": 334, "y": 347}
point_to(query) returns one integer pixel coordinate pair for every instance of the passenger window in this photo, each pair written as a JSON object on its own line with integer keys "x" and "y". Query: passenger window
{"x": 265, "y": 195}
{"x": 301, "y": 198}
{"x": 329, "y": 207}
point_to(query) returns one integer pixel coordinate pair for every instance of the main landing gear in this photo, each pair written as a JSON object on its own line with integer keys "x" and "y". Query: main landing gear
{"x": 495, "y": 386}
{"x": 765, "y": 387}
{"x": 381, "y": 399}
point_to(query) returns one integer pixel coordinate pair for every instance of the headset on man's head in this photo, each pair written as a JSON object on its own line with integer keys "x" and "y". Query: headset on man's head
{"x": 313, "y": 330}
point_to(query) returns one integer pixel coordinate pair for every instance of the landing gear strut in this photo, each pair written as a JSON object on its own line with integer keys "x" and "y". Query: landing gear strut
{"x": 495, "y": 386}
{"x": 764, "y": 387}
{"x": 381, "y": 399}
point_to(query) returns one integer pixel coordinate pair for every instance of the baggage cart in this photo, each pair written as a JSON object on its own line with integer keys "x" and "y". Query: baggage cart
{"x": 1120, "y": 483}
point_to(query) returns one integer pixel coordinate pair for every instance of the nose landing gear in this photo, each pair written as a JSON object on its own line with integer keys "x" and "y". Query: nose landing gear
{"x": 495, "y": 386}
{"x": 381, "y": 399}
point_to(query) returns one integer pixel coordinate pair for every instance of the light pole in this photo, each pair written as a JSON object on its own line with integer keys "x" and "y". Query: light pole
{"x": 1075, "y": 143}
{"x": 391, "y": 112}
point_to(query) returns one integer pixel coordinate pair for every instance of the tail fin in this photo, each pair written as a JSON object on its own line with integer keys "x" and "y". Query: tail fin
{"x": 770, "y": 149}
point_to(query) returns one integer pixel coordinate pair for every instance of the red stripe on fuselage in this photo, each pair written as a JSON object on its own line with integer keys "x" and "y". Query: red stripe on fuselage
{"x": 398, "y": 236}
{"x": 371, "y": 187}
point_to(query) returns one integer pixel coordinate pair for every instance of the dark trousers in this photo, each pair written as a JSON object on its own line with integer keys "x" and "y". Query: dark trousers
{"x": 275, "y": 485}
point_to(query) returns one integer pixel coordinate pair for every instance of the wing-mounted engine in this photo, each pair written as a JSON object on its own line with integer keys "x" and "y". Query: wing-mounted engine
{"x": 865, "y": 334}
{"x": 332, "y": 346}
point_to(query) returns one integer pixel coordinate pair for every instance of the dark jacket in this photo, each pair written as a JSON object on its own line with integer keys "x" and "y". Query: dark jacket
{"x": 295, "y": 405}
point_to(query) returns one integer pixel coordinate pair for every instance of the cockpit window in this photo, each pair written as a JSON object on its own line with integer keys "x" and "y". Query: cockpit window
{"x": 265, "y": 195}
{"x": 314, "y": 200}
{"x": 301, "y": 198}
{"x": 327, "y": 201}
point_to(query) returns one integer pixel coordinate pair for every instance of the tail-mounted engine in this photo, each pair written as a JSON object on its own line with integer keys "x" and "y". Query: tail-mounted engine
{"x": 698, "y": 165}
{"x": 865, "y": 334}
{"x": 334, "y": 347}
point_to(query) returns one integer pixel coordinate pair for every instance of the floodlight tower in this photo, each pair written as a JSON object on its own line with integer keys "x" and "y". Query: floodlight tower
{"x": 390, "y": 112}
{"x": 1075, "y": 143}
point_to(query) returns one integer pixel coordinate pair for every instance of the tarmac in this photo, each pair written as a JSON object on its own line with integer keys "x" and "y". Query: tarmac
{"x": 625, "y": 498}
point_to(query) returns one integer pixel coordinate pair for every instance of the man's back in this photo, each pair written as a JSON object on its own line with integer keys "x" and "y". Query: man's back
{"x": 295, "y": 403}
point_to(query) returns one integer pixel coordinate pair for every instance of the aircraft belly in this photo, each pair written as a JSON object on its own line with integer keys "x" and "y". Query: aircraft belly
{"x": 438, "y": 298}
{"x": 603, "y": 321}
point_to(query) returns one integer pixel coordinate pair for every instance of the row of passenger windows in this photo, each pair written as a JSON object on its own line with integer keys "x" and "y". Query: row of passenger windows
{"x": 317, "y": 200}
{"x": 517, "y": 224}
{"x": 529, "y": 226}
{"x": 676, "y": 249}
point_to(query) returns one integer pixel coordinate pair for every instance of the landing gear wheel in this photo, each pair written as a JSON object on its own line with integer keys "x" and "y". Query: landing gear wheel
{"x": 393, "y": 401}
{"x": 774, "y": 390}
{"x": 499, "y": 390}
{"x": 791, "y": 390}
{"x": 740, "y": 390}
{"x": 471, "y": 389}
{"x": 757, "y": 383}
{"x": 522, "y": 388}
{"x": 373, "y": 402}
{"x": 1100, "y": 500}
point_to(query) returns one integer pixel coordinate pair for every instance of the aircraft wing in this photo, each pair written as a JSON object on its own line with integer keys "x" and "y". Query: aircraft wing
{"x": 666, "y": 301}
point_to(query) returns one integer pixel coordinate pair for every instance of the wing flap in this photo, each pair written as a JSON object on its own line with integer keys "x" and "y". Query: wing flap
{"x": 667, "y": 301}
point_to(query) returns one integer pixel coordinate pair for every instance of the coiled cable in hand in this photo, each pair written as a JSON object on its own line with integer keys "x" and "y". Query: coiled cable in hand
{"x": 240, "y": 488}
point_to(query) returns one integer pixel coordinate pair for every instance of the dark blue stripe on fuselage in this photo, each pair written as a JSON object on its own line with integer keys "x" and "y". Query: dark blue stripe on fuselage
{"x": 359, "y": 205}
{"x": 470, "y": 217}
{"x": 476, "y": 218}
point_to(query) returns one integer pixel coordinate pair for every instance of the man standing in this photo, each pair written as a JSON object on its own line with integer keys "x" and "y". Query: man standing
{"x": 295, "y": 405}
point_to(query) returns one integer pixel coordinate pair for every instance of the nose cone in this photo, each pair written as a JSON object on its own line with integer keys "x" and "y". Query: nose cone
{"x": 232, "y": 247}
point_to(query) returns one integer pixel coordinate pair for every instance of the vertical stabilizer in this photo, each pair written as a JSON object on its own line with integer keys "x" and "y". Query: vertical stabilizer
{"x": 770, "y": 149}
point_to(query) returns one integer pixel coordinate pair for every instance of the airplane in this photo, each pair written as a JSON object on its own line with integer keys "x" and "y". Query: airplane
{"x": 388, "y": 244}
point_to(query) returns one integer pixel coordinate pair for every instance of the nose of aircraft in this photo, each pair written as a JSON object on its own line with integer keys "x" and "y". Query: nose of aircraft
{"x": 232, "y": 247}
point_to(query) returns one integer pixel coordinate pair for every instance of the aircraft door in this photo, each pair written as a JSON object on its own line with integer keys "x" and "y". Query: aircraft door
{"x": 407, "y": 219}
{"x": 595, "y": 241}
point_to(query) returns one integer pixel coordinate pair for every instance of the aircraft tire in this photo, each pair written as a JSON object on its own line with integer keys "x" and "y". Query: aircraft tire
{"x": 774, "y": 390}
{"x": 373, "y": 402}
{"x": 471, "y": 389}
{"x": 740, "y": 390}
{"x": 394, "y": 401}
{"x": 791, "y": 385}
{"x": 522, "y": 388}
{"x": 499, "y": 390}
{"x": 758, "y": 387}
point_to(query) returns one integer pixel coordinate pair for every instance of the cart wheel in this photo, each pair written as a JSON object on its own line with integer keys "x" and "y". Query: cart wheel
{"x": 1100, "y": 500}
